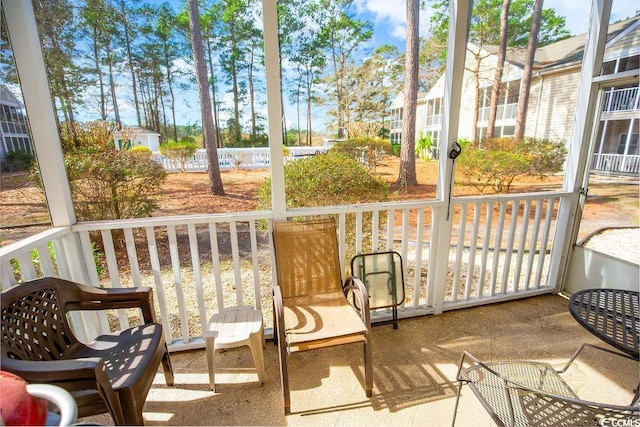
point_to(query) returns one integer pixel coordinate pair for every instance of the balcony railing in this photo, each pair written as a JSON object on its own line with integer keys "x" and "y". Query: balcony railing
{"x": 434, "y": 120}
{"x": 499, "y": 249}
{"x": 503, "y": 112}
{"x": 616, "y": 163}
{"x": 618, "y": 100}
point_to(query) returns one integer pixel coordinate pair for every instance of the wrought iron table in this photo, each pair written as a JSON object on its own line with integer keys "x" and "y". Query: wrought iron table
{"x": 613, "y": 315}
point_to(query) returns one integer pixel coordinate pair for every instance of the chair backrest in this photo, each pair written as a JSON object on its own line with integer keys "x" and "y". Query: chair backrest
{"x": 307, "y": 258}
{"x": 34, "y": 323}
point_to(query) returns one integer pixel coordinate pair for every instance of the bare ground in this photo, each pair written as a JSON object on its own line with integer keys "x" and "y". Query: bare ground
{"x": 611, "y": 201}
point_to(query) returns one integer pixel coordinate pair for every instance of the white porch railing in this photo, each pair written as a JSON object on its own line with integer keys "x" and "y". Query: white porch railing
{"x": 434, "y": 120}
{"x": 621, "y": 100}
{"x": 232, "y": 158}
{"x": 499, "y": 250}
{"x": 503, "y": 112}
{"x": 616, "y": 163}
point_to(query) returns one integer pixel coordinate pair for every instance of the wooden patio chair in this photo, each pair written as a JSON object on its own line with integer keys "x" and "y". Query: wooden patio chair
{"x": 111, "y": 374}
{"x": 533, "y": 394}
{"x": 311, "y": 309}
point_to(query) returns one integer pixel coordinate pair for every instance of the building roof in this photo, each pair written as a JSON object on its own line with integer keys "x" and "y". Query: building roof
{"x": 564, "y": 52}
{"x": 7, "y": 97}
{"x": 139, "y": 131}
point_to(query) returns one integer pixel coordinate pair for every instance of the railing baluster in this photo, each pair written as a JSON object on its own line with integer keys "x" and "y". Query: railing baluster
{"x": 45, "y": 260}
{"x": 417, "y": 269}
{"x": 256, "y": 266}
{"x": 544, "y": 241}
{"x": 133, "y": 256}
{"x": 358, "y": 231}
{"x": 197, "y": 276}
{"x": 533, "y": 243}
{"x": 515, "y": 206}
{"x": 215, "y": 259}
{"x": 375, "y": 230}
{"x": 177, "y": 278}
{"x": 235, "y": 254}
{"x": 391, "y": 217}
{"x": 473, "y": 244}
{"x": 157, "y": 278}
{"x": 522, "y": 244}
{"x": 498, "y": 246}
{"x": 114, "y": 276}
{"x": 485, "y": 247}
{"x": 459, "y": 252}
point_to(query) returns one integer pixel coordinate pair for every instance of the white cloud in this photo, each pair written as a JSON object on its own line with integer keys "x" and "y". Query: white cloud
{"x": 577, "y": 12}
{"x": 391, "y": 15}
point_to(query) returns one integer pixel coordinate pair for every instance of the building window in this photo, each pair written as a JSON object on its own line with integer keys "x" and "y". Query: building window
{"x": 619, "y": 65}
{"x": 633, "y": 144}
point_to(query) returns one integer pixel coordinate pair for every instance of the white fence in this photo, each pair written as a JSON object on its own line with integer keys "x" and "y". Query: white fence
{"x": 499, "y": 249}
{"x": 232, "y": 158}
{"x": 616, "y": 163}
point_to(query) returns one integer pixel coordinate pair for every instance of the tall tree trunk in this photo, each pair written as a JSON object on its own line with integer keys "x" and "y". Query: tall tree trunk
{"x": 96, "y": 59}
{"x": 476, "y": 111}
{"x": 407, "y": 172}
{"x": 173, "y": 98}
{"x": 234, "y": 86}
{"x": 252, "y": 99}
{"x": 525, "y": 84}
{"x": 214, "y": 102}
{"x": 298, "y": 113}
{"x": 134, "y": 83}
{"x": 205, "y": 101}
{"x": 309, "y": 86}
{"x": 497, "y": 78}
{"x": 112, "y": 85}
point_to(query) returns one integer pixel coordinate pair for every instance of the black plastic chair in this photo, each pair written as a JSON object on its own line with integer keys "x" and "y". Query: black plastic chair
{"x": 111, "y": 374}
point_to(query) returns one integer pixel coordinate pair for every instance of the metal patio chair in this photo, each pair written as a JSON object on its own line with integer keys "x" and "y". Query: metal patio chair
{"x": 532, "y": 394}
{"x": 111, "y": 374}
{"x": 311, "y": 309}
{"x": 383, "y": 276}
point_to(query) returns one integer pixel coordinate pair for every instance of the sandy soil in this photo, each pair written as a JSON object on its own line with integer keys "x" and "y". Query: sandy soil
{"x": 611, "y": 201}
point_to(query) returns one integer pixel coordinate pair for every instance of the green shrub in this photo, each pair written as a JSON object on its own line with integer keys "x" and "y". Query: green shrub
{"x": 112, "y": 184}
{"x": 326, "y": 180}
{"x": 19, "y": 160}
{"x": 424, "y": 146}
{"x": 500, "y": 160}
{"x": 180, "y": 151}
{"x": 141, "y": 149}
{"x": 367, "y": 151}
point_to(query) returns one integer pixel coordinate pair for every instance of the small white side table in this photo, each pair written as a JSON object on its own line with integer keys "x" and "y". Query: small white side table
{"x": 235, "y": 327}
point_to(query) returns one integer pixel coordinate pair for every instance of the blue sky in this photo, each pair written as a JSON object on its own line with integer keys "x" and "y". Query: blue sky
{"x": 390, "y": 20}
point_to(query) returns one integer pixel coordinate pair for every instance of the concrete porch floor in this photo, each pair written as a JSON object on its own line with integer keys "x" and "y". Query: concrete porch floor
{"x": 414, "y": 373}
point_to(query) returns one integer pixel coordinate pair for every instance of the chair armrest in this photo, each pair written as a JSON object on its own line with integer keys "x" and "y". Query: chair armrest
{"x": 54, "y": 371}
{"x": 359, "y": 290}
{"x": 92, "y": 298}
{"x": 278, "y": 311}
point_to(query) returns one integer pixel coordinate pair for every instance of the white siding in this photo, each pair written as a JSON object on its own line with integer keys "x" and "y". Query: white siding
{"x": 552, "y": 104}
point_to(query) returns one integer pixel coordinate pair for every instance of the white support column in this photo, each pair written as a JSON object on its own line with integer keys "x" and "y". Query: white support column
{"x": 459, "y": 14}
{"x": 274, "y": 106}
{"x": 23, "y": 33}
{"x": 576, "y": 170}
